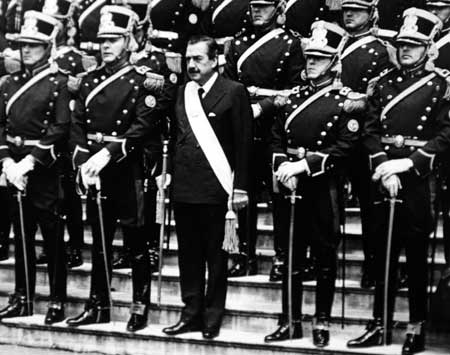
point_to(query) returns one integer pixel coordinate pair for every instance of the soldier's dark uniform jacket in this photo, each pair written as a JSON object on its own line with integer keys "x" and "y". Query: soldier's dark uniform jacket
{"x": 443, "y": 44}
{"x": 323, "y": 133}
{"x": 300, "y": 14}
{"x": 226, "y": 18}
{"x": 390, "y": 12}
{"x": 88, "y": 15}
{"x": 421, "y": 117}
{"x": 364, "y": 57}
{"x": 276, "y": 64}
{"x": 178, "y": 19}
{"x": 132, "y": 111}
{"x": 46, "y": 102}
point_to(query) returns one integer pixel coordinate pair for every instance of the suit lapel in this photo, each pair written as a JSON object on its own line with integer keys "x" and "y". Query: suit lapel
{"x": 214, "y": 95}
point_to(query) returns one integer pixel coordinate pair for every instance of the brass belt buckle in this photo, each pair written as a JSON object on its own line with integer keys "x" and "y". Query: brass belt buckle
{"x": 18, "y": 141}
{"x": 399, "y": 141}
{"x": 99, "y": 137}
{"x": 301, "y": 152}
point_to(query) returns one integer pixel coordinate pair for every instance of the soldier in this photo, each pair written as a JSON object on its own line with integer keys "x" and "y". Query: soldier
{"x": 266, "y": 59}
{"x": 226, "y": 18}
{"x": 312, "y": 136}
{"x": 407, "y": 128}
{"x": 34, "y": 123}
{"x": 212, "y": 139}
{"x": 442, "y": 10}
{"x": 364, "y": 57}
{"x": 300, "y": 14}
{"x": 117, "y": 106}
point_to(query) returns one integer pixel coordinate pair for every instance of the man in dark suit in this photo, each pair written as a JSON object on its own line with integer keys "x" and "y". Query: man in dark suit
{"x": 212, "y": 137}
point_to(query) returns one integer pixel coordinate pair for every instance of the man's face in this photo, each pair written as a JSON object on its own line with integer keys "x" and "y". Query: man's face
{"x": 112, "y": 49}
{"x": 316, "y": 66}
{"x": 199, "y": 66}
{"x": 355, "y": 19}
{"x": 410, "y": 54}
{"x": 33, "y": 53}
{"x": 262, "y": 14}
{"x": 443, "y": 12}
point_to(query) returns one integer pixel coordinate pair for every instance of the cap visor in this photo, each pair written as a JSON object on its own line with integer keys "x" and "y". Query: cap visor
{"x": 110, "y": 35}
{"x": 29, "y": 40}
{"x": 412, "y": 41}
{"x": 315, "y": 53}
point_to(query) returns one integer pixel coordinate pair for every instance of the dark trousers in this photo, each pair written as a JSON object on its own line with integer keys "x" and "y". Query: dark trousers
{"x": 40, "y": 208}
{"x": 200, "y": 232}
{"x": 122, "y": 200}
{"x": 413, "y": 223}
{"x": 317, "y": 225}
{"x": 445, "y": 203}
{"x": 5, "y": 219}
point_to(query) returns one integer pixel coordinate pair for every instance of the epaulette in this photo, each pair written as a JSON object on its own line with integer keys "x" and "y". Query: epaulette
{"x": 73, "y": 83}
{"x": 334, "y": 5}
{"x": 354, "y": 102}
{"x": 4, "y": 79}
{"x": 445, "y": 74}
{"x": 173, "y": 61}
{"x": 89, "y": 62}
{"x": 135, "y": 57}
{"x": 153, "y": 82}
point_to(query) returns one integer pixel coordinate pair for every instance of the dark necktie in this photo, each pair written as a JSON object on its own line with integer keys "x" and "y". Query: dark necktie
{"x": 201, "y": 91}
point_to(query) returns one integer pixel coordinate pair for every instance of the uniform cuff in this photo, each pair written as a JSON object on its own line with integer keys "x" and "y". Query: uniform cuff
{"x": 44, "y": 154}
{"x": 80, "y": 156}
{"x": 118, "y": 150}
{"x": 423, "y": 162}
{"x": 317, "y": 163}
{"x": 377, "y": 159}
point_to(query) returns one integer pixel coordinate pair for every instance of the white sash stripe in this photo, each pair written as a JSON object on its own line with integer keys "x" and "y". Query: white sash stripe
{"x": 359, "y": 43}
{"x": 405, "y": 93}
{"x": 443, "y": 41}
{"x": 88, "y": 11}
{"x": 207, "y": 138}
{"x": 217, "y": 11}
{"x": 250, "y": 50}
{"x": 305, "y": 104}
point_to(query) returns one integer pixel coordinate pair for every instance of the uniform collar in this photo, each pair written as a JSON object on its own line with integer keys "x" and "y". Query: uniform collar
{"x": 317, "y": 87}
{"x": 360, "y": 35}
{"x": 38, "y": 68}
{"x": 417, "y": 71}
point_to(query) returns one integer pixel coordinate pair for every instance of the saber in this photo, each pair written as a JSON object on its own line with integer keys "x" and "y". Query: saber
{"x": 344, "y": 261}
{"x": 98, "y": 200}
{"x": 161, "y": 217}
{"x": 20, "y": 196}
{"x": 292, "y": 199}
{"x": 392, "y": 202}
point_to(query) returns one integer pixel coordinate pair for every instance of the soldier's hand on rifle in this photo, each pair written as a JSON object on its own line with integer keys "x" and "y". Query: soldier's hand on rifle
{"x": 240, "y": 199}
{"x": 392, "y": 167}
{"x": 288, "y": 170}
{"x": 166, "y": 184}
{"x": 97, "y": 162}
{"x": 392, "y": 184}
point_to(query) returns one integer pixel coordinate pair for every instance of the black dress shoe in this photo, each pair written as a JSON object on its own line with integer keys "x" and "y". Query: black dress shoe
{"x": 321, "y": 337}
{"x": 415, "y": 340}
{"x": 138, "y": 318}
{"x": 74, "y": 258}
{"x": 183, "y": 327}
{"x": 243, "y": 267}
{"x": 42, "y": 258}
{"x": 91, "y": 316}
{"x": 276, "y": 273}
{"x": 211, "y": 333}
{"x": 122, "y": 262}
{"x": 372, "y": 337}
{"x": 17, "y": 307}
{"x": 55, "y": 313}
{"x": 4, "y": 252}
{"x": 282, "y": 333}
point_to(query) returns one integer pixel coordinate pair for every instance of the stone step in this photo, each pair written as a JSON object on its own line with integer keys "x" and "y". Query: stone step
{"x": 111, "y": 339}
{"x": 250, "y": 293}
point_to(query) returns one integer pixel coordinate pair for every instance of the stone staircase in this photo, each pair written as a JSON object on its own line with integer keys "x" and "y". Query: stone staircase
{"x": 253, "y": 304}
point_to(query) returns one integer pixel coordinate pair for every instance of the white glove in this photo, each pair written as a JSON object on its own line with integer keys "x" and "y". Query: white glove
{"x": 392, "y": 167}
{"x": 288, "y": 170}
{"x": 97, "y": 162}
{"x": 167, "y": 183}
{"x": 16, "y": 172}
{"x": 24, "y": 166}
{"x": 392, "y": 184}
{"x": 89, "y": 180}
{"x": 257, "y": 110}
{"x": 7, "y": 164}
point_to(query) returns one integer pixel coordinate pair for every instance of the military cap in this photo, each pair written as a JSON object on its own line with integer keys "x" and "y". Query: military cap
{"x": 116, "y": 21}
{"x": 438, "y": 3}
{"x": 265, "y": 2}
{"x": 419, "y": 27}
{"x": 60, "y": 9}
{"x": 326, "y": 40}
{"x": 38, "y": 28}
{"x": 140, "y": 7}
{"x": 359, "y": 4}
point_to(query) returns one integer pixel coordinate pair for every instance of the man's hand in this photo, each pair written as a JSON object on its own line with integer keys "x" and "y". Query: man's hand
{"x": 392, "y": 184}
{"x": 96, "y": 163}
{"x": 291, "y": 183}
{"x": 257, "y": 110}
{"x": 280, "y": 101}
{"x": 392, "y": 167}
{"x": 89, "y": 180}
{"x": 167, "y": 183}
{"x": 287, "y": 170}
{"x": 240, "y": 199}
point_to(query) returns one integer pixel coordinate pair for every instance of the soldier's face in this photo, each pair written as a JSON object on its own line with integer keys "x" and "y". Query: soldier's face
{"x": 33, "y": 53}
{"x": 316, "y": 66}
{"x": 355, "y": 19}
{"x": 443, "y": 12}
{"x": 112, "y": 49}
{"x": 262, "y": 14}
{"x": 199, "y": 66}
{"x": 410, "y": 54}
